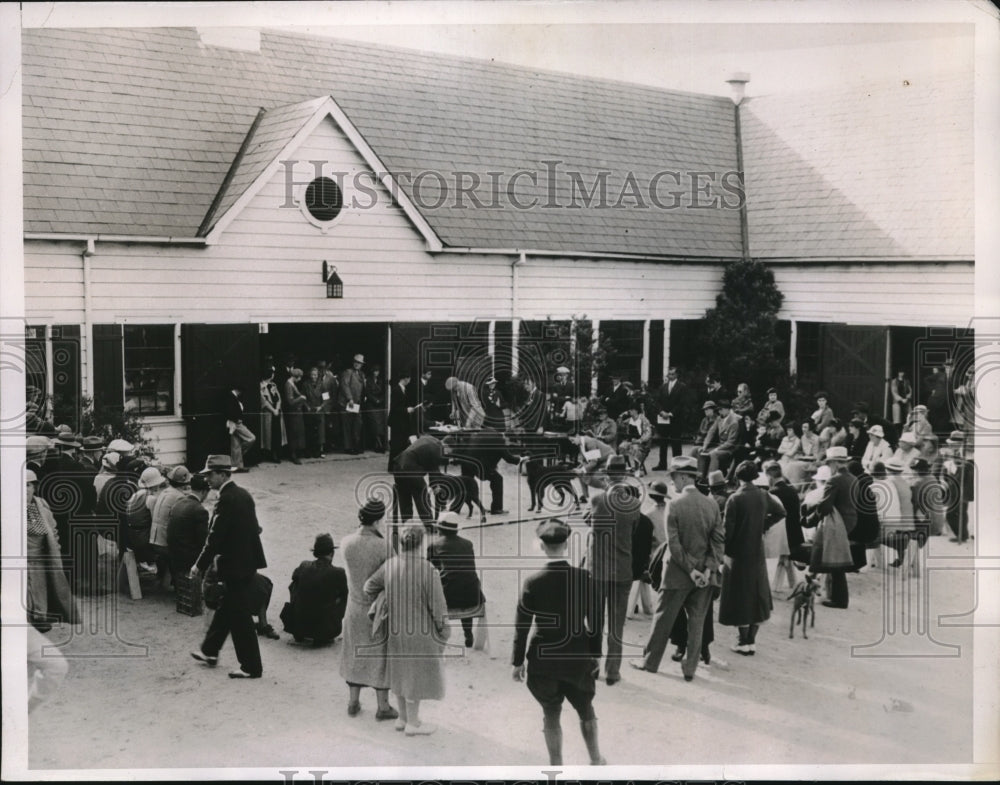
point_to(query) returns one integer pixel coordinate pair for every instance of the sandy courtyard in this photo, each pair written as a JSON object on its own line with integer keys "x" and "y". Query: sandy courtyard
{"x": 135, "y": 699}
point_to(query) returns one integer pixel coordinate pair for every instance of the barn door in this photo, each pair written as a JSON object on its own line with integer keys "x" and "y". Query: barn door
{"x": 853, "y": 367}
{"x": 214, "y": 358}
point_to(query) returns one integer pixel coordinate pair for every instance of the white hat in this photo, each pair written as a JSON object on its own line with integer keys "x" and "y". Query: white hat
{"x": 30, "y": 476}
{"x": 562, "y": 369}
{"x": 151, "y": 478}
{"x": 448, "y": 521}
{"x": 359, "y": 358}
{"x": 876, "y": 430}
{"x": 822, "y": 474}
{"x": 908, "y": 438}
{"x": 836, "y": 454}
{"x": 120, "y": 445}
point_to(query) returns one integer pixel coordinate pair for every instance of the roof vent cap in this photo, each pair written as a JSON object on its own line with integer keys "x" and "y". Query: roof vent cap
{"x": 738, "y": 82}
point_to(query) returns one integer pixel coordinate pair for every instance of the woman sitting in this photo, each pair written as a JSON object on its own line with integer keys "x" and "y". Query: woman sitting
{"x": 742, "y": 403}
{"x": 790, "y": 447}
{"x": 638, "y": 437}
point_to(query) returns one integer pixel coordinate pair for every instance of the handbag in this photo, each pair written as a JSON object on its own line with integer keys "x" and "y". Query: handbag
{"x": 213, "y": 588}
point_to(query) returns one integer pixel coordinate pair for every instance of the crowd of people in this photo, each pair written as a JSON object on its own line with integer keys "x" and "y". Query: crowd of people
{"x": 840, "y": 493}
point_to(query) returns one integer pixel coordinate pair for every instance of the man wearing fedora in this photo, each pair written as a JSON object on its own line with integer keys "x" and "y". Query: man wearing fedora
{"x": 840, "y": 493}
{"x": 233, "y": 537}
{"x": 613, "y": 517}
{"x": 960, "y": 476}
{"x": 241, "y": 438}
{"x": 455, "y": 558}
{"x": 696, "y": 541}
{"x": 317, "y": 597}
{"x": 350, "y": 395}
{"x": 720, "y": 441}
{"x": 563, "y": 654}
{"x": 91, "y": 451}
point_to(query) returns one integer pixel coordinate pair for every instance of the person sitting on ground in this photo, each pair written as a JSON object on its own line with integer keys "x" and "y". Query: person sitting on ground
{"x": 317, "y": 597}
{"x": 455, "y": 559}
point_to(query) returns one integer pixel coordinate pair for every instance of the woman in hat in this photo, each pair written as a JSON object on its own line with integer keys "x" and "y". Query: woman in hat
{"x": 273, "y": 436}
{"x": 638, "y": 437}
{"x": 455, "y": 559}
{"x": 830, "y": 547}
{"x": 878, "y": 448}
{"x": 294, "y": 406}
{"x": 746, "y": 593}
{"x": 138, "y": 517}
{"x": 771, "y": 405}
{"x": 49, "y": 596}
{"x": 317, "y": 597}
{"x": 363, "y": 663}
{"x": 417, "y": 616}
{"x": 918, "y": 423}
{"x": 823, "y": 415}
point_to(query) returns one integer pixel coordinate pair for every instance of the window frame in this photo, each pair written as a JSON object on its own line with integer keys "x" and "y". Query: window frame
{"x": 171, "y": 345}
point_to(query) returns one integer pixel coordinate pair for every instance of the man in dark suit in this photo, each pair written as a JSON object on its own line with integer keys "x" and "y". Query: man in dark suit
{"x": 240, "y": 437}
{"x": 696, "y": 541}
{"x": 234, "y": 536}
{"x": 478, "y": 457}
{"x": 840, "y": 492}
{"x": 425, "y": 456}
{"x": 317, "y": 597}
{"x": 187, "y": 527}
{"x": 673, "y": 402}
{"x": 401, "y": 416}
{"x": 613, "y": 518}
{"x": 617, "y": 400}
{"x": 563, "y": 653}
{"x": 454, "y": 557}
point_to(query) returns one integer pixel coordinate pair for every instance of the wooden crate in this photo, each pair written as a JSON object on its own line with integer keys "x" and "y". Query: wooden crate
{"x": 188, "y": 594}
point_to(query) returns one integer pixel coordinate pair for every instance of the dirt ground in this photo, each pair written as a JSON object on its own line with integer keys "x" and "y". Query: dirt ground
{"x": 135, "y": 699}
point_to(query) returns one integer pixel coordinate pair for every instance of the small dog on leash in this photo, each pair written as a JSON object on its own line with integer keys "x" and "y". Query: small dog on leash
{"x": 452, "y": 491}
{"x": 804, "y": 594}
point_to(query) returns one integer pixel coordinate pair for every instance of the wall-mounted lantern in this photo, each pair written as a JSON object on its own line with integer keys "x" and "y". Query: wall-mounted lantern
{"x": 334, "y": 285}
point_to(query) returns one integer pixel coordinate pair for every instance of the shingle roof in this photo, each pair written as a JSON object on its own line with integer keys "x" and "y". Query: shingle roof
{"x": 883, "y": 170}
{"x": 132, "y": 132}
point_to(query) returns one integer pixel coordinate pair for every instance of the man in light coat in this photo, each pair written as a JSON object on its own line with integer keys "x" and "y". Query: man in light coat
{"x": 696, "y": 541}
{"x": 350, "y": 396}
{"x": 720, "y": 441}
{"x": 466, "y": 408}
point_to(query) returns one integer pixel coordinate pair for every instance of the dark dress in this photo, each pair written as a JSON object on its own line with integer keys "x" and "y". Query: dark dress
{"x": 746, "y": 595}
{"x": 317, "y": 601}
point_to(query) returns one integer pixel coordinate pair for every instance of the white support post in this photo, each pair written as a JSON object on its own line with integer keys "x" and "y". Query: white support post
{"x": 177, "y": 369}
{"x": 491, "y": 345}
{"x": 515, "y": 332}
{"x": 793, "y": 350}
{"x": 50, "y": 387}
{"x": 595, "y": 343}
{"x": 644, "y": 367}
{"x": 388, "y": 354}
{"x": 666, "y": 346}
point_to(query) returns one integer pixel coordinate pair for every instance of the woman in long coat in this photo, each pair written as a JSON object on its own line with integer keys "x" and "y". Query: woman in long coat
{"x": 272, "y": 425}
{"x": 294, "y": 404}
{"x": 746, "y": 596}
{"x": 49, "y": 595}
{"x": 363, "y": 663}
{"x": 417, "y": 618}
